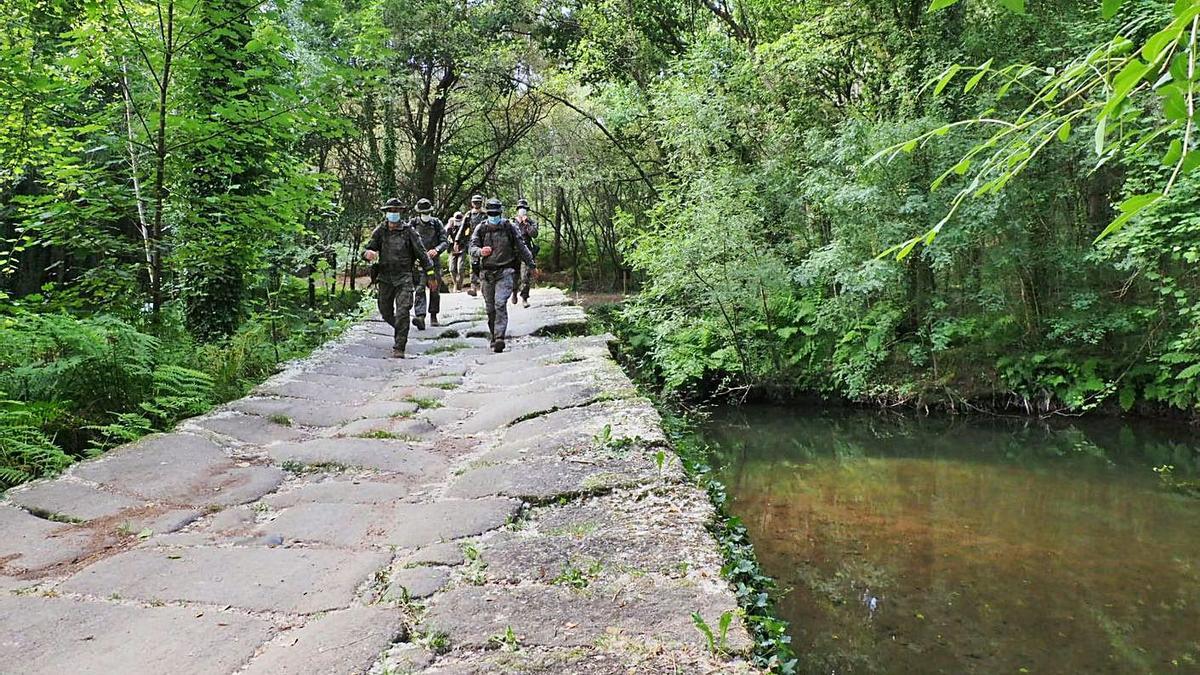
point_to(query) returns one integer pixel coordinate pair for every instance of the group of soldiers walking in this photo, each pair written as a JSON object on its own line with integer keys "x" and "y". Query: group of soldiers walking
{"x": 497, "y": 255}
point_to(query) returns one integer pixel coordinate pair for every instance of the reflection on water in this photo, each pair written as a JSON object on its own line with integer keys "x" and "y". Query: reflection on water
{"x": 967, "y": 545}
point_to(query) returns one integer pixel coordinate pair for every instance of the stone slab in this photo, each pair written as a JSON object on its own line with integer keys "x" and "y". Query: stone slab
{"x": 348, "y": 641}
{"x": 180, "y": 469}
{"x": 249, "y": 428}
{"x": 561, "y": 616}
{"x": 381, "y": 454}
{"x": 447, "y": 553}
{"x": 417, "y": 582}
{"x": 418, "y": 525}
{"x": 317, "y": 414}
{"x": 339, "y": 491}
{"x": 316, "y": 391}
{"x": 70, "y": 499}
{"x": 31, "y": 544}
{"x": 343, "y": 525}
{"x": 496, "y": 410}
{"x": 59, "y": 635}
{"x": 581, "y": 429}
{"x": 402, "y": 429}
{"x": 616, "y": 655}
{"x": 301, "y": 581}
{"x": 544, "y": 479}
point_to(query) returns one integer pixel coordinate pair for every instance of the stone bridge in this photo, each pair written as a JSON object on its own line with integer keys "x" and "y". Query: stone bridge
{"x": 458, "y": 511}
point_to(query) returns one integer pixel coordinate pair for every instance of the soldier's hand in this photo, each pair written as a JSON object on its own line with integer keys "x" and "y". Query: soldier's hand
{"x": 370, "y": 255}
{"x": 432, "y": 253}
{"x": 485, "y": 251}
{"x": 432, "y": 283}
{"x": 457, "y": 249}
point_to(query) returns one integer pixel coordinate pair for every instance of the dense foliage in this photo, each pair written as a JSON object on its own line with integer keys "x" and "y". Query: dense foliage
{"x": 762, "y": 253}
{"x": 176, "y": 176}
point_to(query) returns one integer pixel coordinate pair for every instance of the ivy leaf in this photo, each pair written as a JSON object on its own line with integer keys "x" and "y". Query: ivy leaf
{"x": 1017, "y": 6}
{"x": 940, "y": 4}
{"x": 1109, "y": 8}
{"x": 1064, "y": 132}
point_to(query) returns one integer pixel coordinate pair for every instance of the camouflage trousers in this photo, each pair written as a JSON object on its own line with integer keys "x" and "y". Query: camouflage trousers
{"x": 460, "y": 264}
{"x": 524, "y": 282}
{"x": 427, "y": 299}
{"x": 395, "y": 299}
{"x": 497, "y": 287}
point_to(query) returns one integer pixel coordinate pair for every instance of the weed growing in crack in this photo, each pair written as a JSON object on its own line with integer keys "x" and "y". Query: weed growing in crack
{"x": 474, "y": 570}
{"x": 577, "y": 577}
{"x": 292, "y": 466}
{"x": 448, "y": 348}
{"x": 423, "y": 403}
{"x": 615, "y": 446}
{"x": 384, "y": 434}
{"x": 281, "y": 420}
{"x": 506, "y": 641}
{"x": 437, "y": 642}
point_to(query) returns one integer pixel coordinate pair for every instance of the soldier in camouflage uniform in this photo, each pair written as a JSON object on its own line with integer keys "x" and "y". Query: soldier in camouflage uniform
{"x": 458, "y": 251}
{"x": 397, "y": 248}
{"x": 501, "y": 249}
{"x": 529, "y": 231}
{"x": 433, "y": 238}
{"x": 466, "y": 233}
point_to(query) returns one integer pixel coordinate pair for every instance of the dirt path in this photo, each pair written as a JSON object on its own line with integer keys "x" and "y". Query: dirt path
{"x": 455, "y": 512}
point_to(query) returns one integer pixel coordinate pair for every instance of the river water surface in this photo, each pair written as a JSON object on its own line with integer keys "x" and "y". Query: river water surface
{"x": 953, "y": 545}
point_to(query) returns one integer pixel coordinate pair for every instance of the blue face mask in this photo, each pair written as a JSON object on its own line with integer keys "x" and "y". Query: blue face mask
{"x": 392, "y": 217}
{"x": 494, "y": 220}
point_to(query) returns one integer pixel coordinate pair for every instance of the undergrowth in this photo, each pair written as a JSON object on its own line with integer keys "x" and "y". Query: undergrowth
{"x": 74, "y": 386}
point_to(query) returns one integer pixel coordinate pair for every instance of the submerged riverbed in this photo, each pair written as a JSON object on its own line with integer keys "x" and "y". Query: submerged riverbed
{"x": 921, "y": 545}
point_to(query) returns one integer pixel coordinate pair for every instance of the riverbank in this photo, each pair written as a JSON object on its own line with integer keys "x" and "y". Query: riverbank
{"x": 455, "y": 512}
{"x": 969, "y": 383}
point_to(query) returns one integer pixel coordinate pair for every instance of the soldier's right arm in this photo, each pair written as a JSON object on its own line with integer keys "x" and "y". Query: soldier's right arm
{"x": 375, "y": 242}
{"x": 476, "y": 242}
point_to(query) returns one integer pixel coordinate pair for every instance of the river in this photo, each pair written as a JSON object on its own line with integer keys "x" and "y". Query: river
{"x": 956, "y": 544}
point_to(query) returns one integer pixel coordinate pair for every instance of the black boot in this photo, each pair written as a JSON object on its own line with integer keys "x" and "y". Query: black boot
{"x": 433, "y": 320}
{"x": 498, "y": 345}
{"x": 419, "y": 322}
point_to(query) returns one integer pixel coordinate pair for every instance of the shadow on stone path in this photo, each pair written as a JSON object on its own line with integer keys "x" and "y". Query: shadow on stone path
{"x": 458, "y": 511}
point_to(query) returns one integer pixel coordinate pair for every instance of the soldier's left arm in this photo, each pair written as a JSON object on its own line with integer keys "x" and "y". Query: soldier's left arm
{"x": 522, "y": 249}
{"x": 533, "y": 229}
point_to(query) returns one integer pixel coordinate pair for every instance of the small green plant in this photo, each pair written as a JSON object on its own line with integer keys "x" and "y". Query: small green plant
{"x": 660, "y": 460}
{"x": 281, "y": 420}
{"x": 436, "y": 641}
{"x": 382, "y": 434}
{"x": 448, "y": 348}
{"x": 568, "y": 357}
{"x": 445, "y": 386}
{"x": 506, "y": 641}
{"x": 293, "y": 466}
{"x": 423, "y": 403}
{"x": 718, "y": 643}
{"x": 577, "y": 577}
{"x": 474, "y": 571}
{"x": 613, "y": 445}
